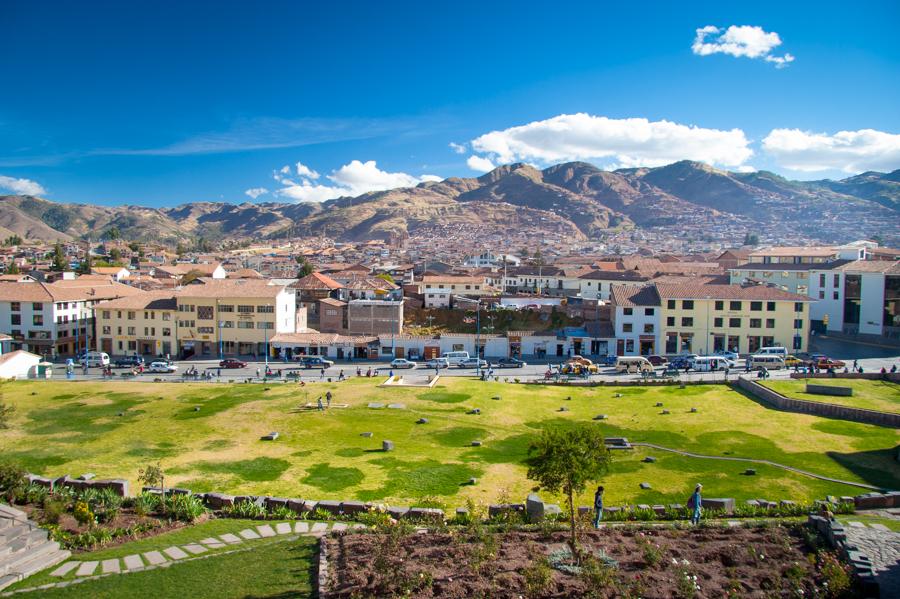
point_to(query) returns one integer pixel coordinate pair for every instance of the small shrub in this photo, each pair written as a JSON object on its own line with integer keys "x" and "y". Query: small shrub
{"x": 53, "y": 511}
{"x": 538, "y": 576}
{"x": 36, "y": 494}
{"x": 83, "y": 514}
{"x": 12, "y": 479}
{"x": 835, "y": 575}
{"x": 320, "y": 514}
{"x": 651, "y": 552}
{"x": 282, "y": 512}
{"x": 145, "y": 504}
{"x": 186, "y": 508}
{"x": 244, "y": 509}
{"x": 597, "y": 574}
{"x": 686, "y": 584}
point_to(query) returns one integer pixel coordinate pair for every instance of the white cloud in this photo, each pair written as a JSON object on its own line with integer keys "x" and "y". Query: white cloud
{"x": 255, "y": 192}
{"x": 848, "y": 151}
{"x": 22, "y": 186}
{"x": 352, "y": 179}
{"x": 458, "y": 148}
{"x": 746, "y": 169}
{"x": 480, "y": 163}
{"x": 285, "y": 170}
{"x": 740, "y": 41}
{"x": 305, "y": 171}
{"x": 630, "y": 142}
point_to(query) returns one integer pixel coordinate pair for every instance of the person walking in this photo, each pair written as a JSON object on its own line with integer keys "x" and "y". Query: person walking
{"x": 257, "y": 372}
{"x": 695, "y": 503}
{"x": 341, "y": 375}
{"x": 358, "y": 371}
{"x": 322, "y": 374}
{"x": 328, "y": 399}
{"x": 321, "y": 407}
{"x": 598, "y": 507}
{"x": 855, "y": 364}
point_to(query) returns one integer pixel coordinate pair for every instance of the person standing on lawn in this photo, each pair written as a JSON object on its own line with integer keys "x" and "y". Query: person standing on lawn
{"x": 695, "y": 503}
{"x": 598, "y": 507}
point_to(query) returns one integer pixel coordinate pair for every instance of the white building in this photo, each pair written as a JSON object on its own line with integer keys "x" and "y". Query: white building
{"x": 19, "y": 364}
{"x": 857, "y": 298}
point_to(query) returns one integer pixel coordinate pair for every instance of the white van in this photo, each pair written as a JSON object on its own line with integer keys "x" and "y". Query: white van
{"x": 455, "y": 358}
{"x": 633, "y": 364}
{"x": 96, "y": 359}
{"x": 711, "y": 363}
{"x": 767, "y": 361}
{"x": 772, "y": 351}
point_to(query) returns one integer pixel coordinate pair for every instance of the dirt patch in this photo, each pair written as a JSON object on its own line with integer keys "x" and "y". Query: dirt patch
{"x": 706, "y": 562}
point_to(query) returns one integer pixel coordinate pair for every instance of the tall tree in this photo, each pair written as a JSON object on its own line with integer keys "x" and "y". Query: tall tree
{"x": 85, "y": 267}
{"x": 306, "y": 268}
{"x": 60, "y": 263}
{"x": 12, "y": 268}
{"x": 566, "y": 460}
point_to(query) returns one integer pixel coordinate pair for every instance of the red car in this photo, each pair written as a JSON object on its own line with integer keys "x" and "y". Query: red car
{"x": 231, "y": 363}
{"x": 657, "y": 360}
{"x": 826, "y": 363}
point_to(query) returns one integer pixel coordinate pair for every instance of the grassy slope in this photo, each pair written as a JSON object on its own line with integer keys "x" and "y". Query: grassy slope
{"x": 882, "y": 396}
{"x": 278, "y": 568}
{"x": 73, "y": 428}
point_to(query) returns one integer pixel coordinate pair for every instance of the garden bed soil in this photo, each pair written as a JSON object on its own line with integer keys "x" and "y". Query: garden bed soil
{"x": 126, "y": 518}
{"x": 727, "y": 562}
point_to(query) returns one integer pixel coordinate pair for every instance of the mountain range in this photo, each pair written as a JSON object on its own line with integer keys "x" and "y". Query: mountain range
{"x": 574, "y": 195}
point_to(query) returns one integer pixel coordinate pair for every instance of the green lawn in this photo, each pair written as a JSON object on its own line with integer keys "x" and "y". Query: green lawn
{"x": 65, "y": 427}
{"x": 882, "y": 396}
{"x": 271, "y": 568}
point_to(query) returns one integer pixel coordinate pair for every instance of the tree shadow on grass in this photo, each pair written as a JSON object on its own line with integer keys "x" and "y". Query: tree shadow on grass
{"x": 876, "y": 467}
{"x": 420, "y": 478}
{"x": 327, "y": 478}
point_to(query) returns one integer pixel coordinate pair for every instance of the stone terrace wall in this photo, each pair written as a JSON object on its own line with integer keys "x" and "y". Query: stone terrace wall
{"x": 868, "y": 376}
{"x": 816, "y": 408}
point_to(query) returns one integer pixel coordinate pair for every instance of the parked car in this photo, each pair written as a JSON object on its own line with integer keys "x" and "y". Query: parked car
{"x": 473, "y": 363}
{"x": 438, "y": 363}
{"x": 826, "y": 363}
{"x": 684, "y": 361}
{"x": 657, "y": 360}
{"x": 162, "y": 366}
{"x": 791, "y": 361}
{"x": 315, "y": 362}
{"x": 129, "y": 362}
{"x": 608, "y": 360}
{"x": 510, "y": 363}
{"x": 728, "y": 354}
{"x": 95, "y": 359}
{"x": 403, "y": 363}
{"x": 232, "y": 363}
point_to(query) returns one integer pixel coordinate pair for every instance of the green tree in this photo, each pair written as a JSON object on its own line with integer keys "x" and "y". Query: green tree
{"x": 115, "y": 255}
{"x": 12, "y": 240}
{"x": 134, "y": 246}
{"x": 306, "y": 268}
{"x": 751, "y": 239}
{"x": 60, "y": 263}
{"x": 85, "y": 267}
{"x": 566, "y": 460}
{"x": 12, "y": 268}
{"x": 153, "y": 476}
{"x": 112, "y": 233}
{"x": 181, "y": 249}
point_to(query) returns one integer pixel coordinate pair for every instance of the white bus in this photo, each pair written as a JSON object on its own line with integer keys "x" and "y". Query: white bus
{"x": 772, "y": 351}
{"x": 455, "y": 358}
{"x": 767, "y": 361}
{"x": 633, "y": 364}
{"x": 95, "y": 359}
{"x": 710, "y": 363}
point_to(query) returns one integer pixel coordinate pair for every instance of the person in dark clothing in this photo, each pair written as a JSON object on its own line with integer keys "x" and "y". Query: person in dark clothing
{"x": 598, "y": 507}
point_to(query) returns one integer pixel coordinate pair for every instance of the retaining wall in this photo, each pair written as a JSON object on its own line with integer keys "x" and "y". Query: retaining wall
{"x": 834, "y": 533}
{"x": 816, "y": 408}
{"x": 868, "y": 376}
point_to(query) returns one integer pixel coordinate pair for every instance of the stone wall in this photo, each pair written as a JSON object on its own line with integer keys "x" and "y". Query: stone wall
{"x": 818, "y": 408}
{"x": 868, "y": 376}
{"x": 829, "y": 390}
{"x": 834, "y": 533}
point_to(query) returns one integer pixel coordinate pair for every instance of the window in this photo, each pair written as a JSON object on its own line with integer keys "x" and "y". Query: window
{"x": 629, "y": 346}
{"x": 205, "y": 330}
{"x": 227, "y": 324}
{"x": 107, "y": 330}
{"x": 37, "y": 306}
{"x": 648, "y": 328}
{"x": 15, "y": 319}
{"x": 821, "y": 294}
{"x": 265, "y": 325}
{"x": 226, "y": 308}
{"x": 468, "y": 286}
{"x": 106, "y": 314}
{"x": 670, "y": 304}
{"x": 720, "y": 305}
{"x": 245, "y": 324}
{"x": 798, "y": 306}
{"x": 770, "y": 323}
{"x": 118, "y": 330}
{"x": 204, "y": 312}
{"x": 687, "y": 304}
{"x": 15, "y": 306}
{"x": 837, "y": 294}
{"x": 670, "y": 321}
{"x": 146, "y": 331}
{"x": 687, "y": 321}
{"x": 837, "y": 281}
{"x": 166, "y": 332}
{"x": 628, "y": 311}
{"x": 770, "y": 306}
{"x": 756, "y": 306}
{"x": 798, "y": 342}
{"x": 245, "y": 309}
{"x": 649, "y": 311}
{"x": 734, "y": 305}
{"x": 132, "y": 346}
{"x": 798, "y": 323}
{"x": 265, "y": 309}
{"x": 734, "y": 323}
{"x": 131, "y": 316}
{"x": 166, "y": 316}
{"x": 627, "y": 327}
{"x": 822, "y": 280}
{"x": 718, "y": 322}
{"x": 131, "y": 331}
{"x": 37, "y": 320}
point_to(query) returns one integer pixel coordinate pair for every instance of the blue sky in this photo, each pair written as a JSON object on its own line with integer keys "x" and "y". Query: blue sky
{"x": 164, "y": 103}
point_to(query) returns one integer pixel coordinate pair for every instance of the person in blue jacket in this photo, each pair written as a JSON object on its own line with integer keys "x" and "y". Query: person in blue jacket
{"x": 598, "y": 507}
{"x": 695, "y": 503}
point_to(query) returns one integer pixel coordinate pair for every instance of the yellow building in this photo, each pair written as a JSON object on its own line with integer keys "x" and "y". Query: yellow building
{"x": 142, "y": 324}
{"x": 703, "y": 319}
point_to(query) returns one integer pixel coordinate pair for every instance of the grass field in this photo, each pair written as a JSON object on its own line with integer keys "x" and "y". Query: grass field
{"x": 882, "y": 396}
{"x": 113, "y": 429}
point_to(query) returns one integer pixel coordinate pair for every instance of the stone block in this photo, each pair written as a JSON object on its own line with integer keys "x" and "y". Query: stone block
{"x": 425, "y": 514}
{"x": 725, "y": 504}
{"x": 534, "y": 507}
{"x": 387, "y": 446}
{"x": 659, "y": 509}
{"x": 645, "y": 486}
{"x": 649, "y": 459}
{"x": 118, "y": 485}
{"x": 353, "y": 507}
{"x": 332, "y": 507}
{"x": 217, "y": 501}
{"x": 600, "y": 417}
{"x": 397, "y": 512}
{"x": 273, "y": 436}
{"x": 87, "y": 476}
{"x": 367, "y": 435}
{"x": 273, "y": 503}
{"x": 422, "y": 421}
{"x": 39, "y": 481}
{"x": 476, "y": 443}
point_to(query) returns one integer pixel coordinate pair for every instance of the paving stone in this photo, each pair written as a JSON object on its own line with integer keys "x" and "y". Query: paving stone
{"x": 856, "y": 524}
{"x": 195, "y": 548}
{"x": 229, "y": 538}
{"x": 339, "y": 526}
{"x": 879, "y": 526}
{"x": 249, "y": 534}
{"x": 358, "y": 526}
{"x": 133, "y": 562}
{"x": 265, "y": 530}
{"x": 86, "y": 568}
{"x": 211, "y": 541}
{"x": 320, "y": 527}
{"x": 283, "y": 528}
{"x": 111, "y": 566}
{"x": 301, "y": 527}
{"x": 154, "y": 558}
{"x": 733, "y": 523}
{"x": 64, "y": 569}
{"x": 175, "y": 552}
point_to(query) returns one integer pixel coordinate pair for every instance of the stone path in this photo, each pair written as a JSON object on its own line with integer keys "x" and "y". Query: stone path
{"x": 136, "y": 562}
{"x": 882, "y": 546}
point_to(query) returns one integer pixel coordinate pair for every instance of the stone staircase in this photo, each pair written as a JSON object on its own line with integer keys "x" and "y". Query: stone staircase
{"x": 25, "y": 548}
